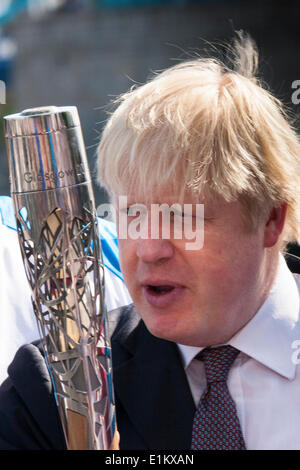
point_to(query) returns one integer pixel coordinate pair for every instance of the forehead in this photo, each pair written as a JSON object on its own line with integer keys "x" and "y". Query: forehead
{"x": 167, "y": 195}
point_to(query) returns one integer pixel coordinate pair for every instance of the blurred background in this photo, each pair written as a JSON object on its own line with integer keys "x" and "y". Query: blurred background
{"x": 86, "y": 52}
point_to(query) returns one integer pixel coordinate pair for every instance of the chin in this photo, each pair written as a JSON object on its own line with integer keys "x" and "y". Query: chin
{"x": 169, "y": 330}
{"x": 179, "y": 333}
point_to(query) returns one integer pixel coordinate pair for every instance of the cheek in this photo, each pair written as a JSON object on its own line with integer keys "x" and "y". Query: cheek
{"x": 127, "y": 256}
{"x": 233, "y": 268}
{"x": 219, "y": 269}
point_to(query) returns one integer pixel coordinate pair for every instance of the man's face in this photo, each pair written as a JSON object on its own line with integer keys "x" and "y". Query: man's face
{"x": 197, "y": 297}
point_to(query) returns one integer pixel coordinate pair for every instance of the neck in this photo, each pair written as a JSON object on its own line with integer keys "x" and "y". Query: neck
{"x": 265, "y": 279}
{"x": 252, "y": 300}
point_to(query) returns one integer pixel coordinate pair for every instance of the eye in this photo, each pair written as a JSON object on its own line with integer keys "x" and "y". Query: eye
{"x": 183, "y": 215}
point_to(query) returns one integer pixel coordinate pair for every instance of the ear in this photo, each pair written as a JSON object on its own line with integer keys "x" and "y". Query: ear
{"x": 274, "y": 225}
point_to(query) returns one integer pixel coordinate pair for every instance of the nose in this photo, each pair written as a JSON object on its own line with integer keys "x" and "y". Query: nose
{"x": 154, "y": 250}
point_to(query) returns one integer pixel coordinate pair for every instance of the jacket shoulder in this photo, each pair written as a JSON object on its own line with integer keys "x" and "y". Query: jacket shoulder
{"x": 122, "y": 321}
{"x": 293, "y": 263}
{"x": 28, "y": 414}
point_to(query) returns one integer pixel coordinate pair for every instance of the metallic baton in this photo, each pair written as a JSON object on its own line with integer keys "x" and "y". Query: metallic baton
{"x": 58, "y": 234}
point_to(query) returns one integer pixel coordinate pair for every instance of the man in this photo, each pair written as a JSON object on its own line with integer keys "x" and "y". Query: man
{"x": 206, "y": 356}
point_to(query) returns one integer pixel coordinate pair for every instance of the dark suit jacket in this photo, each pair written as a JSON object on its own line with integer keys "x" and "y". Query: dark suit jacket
{"x": 154, "y": 404}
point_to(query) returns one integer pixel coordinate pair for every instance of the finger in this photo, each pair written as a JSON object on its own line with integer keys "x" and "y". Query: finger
{"x": 115, "y": 442}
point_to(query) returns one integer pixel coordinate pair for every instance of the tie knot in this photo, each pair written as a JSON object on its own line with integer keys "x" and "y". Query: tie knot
{"x": 217, "y": 362}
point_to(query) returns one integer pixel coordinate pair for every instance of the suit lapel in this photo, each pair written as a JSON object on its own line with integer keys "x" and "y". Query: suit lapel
{"x": 151, "y": 385}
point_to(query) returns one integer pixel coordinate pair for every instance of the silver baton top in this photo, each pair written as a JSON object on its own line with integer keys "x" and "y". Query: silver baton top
{"x": 45, "y": 149}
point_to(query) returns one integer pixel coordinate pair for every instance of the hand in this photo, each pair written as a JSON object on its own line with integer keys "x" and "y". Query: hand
{"x": 115, "y": 442}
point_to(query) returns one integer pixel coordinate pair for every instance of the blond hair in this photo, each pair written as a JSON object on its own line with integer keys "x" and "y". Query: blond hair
{"x": 205, "y": 127}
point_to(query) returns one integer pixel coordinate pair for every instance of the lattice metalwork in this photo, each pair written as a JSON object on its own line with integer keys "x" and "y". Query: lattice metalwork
{"x": 66, "y": 276}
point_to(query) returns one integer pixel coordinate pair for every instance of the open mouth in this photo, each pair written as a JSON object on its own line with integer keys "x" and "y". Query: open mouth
{"x": 162, "y": 295}
{"x": 160, "y": 290}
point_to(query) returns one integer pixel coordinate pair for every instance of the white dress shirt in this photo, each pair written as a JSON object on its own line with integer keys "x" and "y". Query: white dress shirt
{"x": 264, "y": 380}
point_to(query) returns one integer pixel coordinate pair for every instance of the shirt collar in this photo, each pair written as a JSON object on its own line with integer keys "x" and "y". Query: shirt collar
{"x": 269, "y": 335}
{"x": 188, "y": 353}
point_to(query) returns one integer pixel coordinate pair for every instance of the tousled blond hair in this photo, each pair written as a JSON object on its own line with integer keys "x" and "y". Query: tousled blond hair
{"x": 208, "y": 128}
